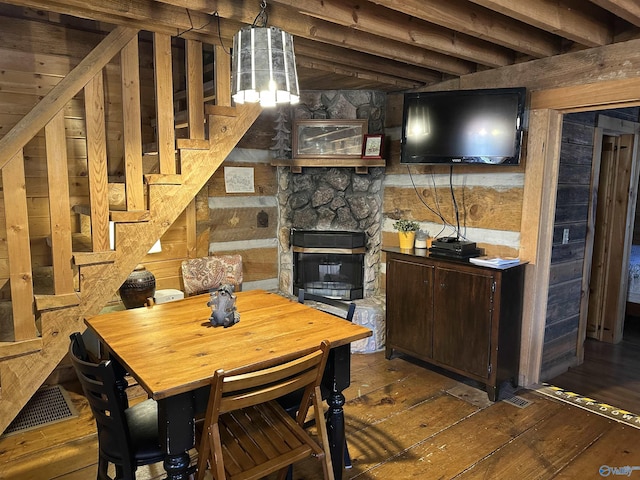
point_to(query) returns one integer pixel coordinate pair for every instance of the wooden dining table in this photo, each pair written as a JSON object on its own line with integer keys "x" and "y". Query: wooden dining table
{"x": 172, "y": 350}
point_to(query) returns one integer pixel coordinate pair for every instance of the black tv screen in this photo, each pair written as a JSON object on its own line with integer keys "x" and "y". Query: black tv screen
{"x": 463, "y": 126}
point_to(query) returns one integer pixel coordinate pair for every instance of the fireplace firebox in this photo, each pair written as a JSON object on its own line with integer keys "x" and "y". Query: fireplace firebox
{"x": 329, "y": 263}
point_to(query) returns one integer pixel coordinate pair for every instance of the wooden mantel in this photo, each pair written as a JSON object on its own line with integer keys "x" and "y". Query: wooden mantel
{"x": 361, "y": 165}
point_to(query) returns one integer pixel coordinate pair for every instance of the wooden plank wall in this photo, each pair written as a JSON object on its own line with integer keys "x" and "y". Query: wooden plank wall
{"x": 489, "y": 198}
{"x": 565, "y": 281}
{"x": 636, "y": 224}
{"x": 245, "y": 223}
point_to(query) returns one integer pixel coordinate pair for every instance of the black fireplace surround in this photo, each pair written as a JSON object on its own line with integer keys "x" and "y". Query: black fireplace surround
{"x": 329, "y": 263}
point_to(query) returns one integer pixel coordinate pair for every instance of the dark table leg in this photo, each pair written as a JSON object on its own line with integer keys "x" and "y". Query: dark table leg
{"x": 177, "y": 432}
{"x": 337, "y": 378}
{"x": 335, "y": 432}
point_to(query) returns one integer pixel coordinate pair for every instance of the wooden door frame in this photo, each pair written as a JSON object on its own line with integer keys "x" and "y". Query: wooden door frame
{"x": 608, "y": 126}
{"x": 539, "y": 197}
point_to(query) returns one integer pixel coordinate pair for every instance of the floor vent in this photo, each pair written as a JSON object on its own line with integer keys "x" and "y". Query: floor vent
{"x": 48, "y": 405}
{"x": 517, "y": 401}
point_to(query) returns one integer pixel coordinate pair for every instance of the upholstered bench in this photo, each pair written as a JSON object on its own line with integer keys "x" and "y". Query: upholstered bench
{"x": 370, "y": 313}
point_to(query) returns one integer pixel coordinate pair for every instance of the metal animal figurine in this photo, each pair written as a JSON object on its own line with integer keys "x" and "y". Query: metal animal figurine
{"x": 223, "y": 307}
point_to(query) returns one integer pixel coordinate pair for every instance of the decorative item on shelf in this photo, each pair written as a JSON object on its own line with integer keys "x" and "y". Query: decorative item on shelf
{"x": 423, "y": 240}
{"x": 373, "y": 145}
{"x": 263, "y": 64}
{"x": 138, "y": 288}
{"x": 313, "y": 138}
{"x": 223, "y": 307}
{"x": 406, "y": 232}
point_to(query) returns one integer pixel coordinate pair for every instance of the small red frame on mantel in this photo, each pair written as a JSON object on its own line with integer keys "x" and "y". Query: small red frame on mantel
{"x": 372, "y": 145}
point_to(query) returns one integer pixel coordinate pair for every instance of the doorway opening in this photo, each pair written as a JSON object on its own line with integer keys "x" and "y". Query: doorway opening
{"x": 608, "y": 350}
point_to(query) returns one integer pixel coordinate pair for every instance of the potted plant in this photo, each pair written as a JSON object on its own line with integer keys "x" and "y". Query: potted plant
{"x": 406, "y": 232}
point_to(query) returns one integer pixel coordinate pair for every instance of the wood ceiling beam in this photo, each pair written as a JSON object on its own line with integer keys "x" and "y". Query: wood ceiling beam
{"x": 367, "y": 17}
{"x": 314, "y": 29}
{"x": 173, "y": 19}
{"x": 139, "y": 14}
{"x": 363, "y": 61}
{"x": 627, "y": 9}
{"x": 166, "y": 14}
{"x": 478, "y": 22}
{"x": 557, "y": 17}
{"x": 375, "y": 77}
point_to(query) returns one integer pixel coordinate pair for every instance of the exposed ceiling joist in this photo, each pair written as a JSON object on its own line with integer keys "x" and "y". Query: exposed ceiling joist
{"x": 389, "y": 45}
{"x": 394, "y": 25}
{"x": 583, "y": 25}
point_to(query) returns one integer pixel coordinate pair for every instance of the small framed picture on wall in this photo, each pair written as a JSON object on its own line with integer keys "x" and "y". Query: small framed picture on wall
{"x": 372, "y": 145}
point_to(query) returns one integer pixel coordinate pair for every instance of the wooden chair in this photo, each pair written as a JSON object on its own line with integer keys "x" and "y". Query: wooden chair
{"x": 340, "y": 355}
{"x": 338, "y": 307}
{"x": 247, "y": 434}
{"x": 200, "y": 275}
{"x": 127, "y": 436}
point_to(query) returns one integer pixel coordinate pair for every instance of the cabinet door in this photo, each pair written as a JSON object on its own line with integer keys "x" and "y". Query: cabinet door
{"x": 462, "y": 320}
{"x": 409, "y": 306}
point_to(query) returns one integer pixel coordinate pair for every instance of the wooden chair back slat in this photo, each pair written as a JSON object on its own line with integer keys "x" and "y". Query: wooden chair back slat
{"x": 247, "y": 434}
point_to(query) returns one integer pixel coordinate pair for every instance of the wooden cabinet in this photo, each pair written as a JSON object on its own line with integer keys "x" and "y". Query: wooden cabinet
{"x": 456, "y": 315}
{"x": 410, "y": 306}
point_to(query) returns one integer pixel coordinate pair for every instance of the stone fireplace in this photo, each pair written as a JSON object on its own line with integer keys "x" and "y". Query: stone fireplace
{"x": 329, "y": 263}
{"x": 329, "y": 199}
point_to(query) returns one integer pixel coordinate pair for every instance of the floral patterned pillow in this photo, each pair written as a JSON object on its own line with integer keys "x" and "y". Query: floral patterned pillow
{"x": 199, "y": 275}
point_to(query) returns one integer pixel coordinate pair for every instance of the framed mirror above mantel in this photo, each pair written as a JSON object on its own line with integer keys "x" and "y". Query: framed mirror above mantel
{"x": 329, "y": 143}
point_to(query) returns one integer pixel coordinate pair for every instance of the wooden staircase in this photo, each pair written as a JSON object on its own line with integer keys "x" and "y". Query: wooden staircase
{"x": 37, "y": 338}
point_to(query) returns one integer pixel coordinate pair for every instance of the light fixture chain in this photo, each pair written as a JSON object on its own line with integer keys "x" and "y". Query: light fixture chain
{"x": 262, "y": 17}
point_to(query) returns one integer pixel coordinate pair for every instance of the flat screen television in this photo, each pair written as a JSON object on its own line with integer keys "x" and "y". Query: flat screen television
{"x": 463, "y": 126}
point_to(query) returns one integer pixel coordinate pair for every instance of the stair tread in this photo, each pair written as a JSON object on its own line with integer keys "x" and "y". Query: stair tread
{"x": 163, "y": 179}
{"x": 221, "y": 110}
{"x": 129, "y": 216}
{"x": 114, "y": 215}
{"x": 48, "y": 302}
{"x": 93, "y": 258}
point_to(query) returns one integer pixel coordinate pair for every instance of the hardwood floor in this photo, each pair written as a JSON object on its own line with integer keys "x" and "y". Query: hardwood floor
{"x": 610, "y": 373}
{"x": 403, "y": 421}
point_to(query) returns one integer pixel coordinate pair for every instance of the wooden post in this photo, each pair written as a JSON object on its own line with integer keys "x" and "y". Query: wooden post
{"x": 129, "y": 65}
{"x": 164, "y": 103}
{"x": 19, "y": 249}
{"x": 97, "y": 160}
{"x": 58, "y": 179}
{"x": 222, "y": 77}
{"x": 195, "y": 90}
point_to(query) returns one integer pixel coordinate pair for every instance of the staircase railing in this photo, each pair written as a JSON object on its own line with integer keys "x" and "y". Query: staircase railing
{"x": 48, "y": 114}
{"x": 87, "y": 269}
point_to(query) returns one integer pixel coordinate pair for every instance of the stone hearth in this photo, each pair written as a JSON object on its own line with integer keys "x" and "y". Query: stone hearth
{"x": 331, "y": 199}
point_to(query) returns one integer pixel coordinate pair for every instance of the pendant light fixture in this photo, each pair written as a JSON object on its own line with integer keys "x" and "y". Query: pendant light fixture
{"x": 263, "y": 64}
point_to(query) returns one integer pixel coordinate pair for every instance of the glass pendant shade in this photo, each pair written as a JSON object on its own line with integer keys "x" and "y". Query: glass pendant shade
{"x": 263, "y": 67}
